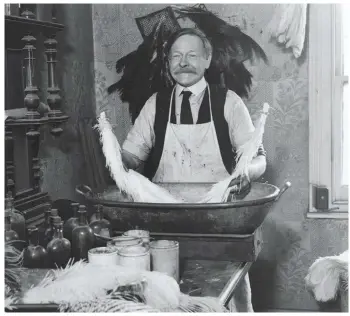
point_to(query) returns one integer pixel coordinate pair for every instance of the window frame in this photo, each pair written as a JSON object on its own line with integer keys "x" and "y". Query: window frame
{"x": 325, "y": 102}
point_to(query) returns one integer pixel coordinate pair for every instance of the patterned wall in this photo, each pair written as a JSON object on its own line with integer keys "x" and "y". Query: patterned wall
{"x": 292, "y": 242}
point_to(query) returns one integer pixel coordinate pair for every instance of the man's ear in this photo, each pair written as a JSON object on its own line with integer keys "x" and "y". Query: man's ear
{"x": 208, "y": 61}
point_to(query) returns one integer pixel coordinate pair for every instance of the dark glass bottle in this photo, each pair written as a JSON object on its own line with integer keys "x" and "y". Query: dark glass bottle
{"x": 48, "y": 235}
{"x": 45, "y": 226}
{"x": 18, "y": 222}
{"x": 59, "y": 248}
{"x": 99, "y": 224}
{"x": 35, "y": 256}
{"x": 82, "y": 236}
{"x": 10, "y": 234}
{"x": 71, "y": 223}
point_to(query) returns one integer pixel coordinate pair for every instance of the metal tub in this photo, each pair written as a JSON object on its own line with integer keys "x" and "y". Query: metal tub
{"x": 236, "y": 217}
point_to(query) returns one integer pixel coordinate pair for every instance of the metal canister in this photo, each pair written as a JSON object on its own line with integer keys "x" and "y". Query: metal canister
{"x": 137, "y": 257}
{"x": 165, "y": 257}
{"x": 144, "y": 234}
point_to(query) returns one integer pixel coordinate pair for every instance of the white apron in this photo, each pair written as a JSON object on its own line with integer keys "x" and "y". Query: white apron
{"x": 191, "y": 153}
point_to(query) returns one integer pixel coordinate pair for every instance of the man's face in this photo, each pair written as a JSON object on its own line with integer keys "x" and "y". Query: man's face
{"x": 188, "y": 60}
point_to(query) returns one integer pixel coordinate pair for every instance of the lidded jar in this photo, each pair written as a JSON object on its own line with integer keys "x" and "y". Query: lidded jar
{"x": 82, "y": 236}
{"x": 59, "y": 248}
{"x": 72, "y": 222}
{"x": 18, "y": 222}
{"x": 35, "y": 256}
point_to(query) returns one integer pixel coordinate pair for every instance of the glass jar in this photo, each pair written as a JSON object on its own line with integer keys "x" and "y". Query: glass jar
{"x": 165, "y": 257}
{"x": 135, "y": 257}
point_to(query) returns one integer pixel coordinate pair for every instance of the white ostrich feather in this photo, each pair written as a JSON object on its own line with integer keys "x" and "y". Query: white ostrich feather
{"x": 85, "y": 287}
{"x": 82, "y": 282}
{"x": 245, "y": 154}
{"x": 135, "y": 185}
{"x": 325, "y": 276}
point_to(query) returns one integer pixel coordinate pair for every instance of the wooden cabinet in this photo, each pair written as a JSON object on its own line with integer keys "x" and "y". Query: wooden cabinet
{"x": 25, "y": 113}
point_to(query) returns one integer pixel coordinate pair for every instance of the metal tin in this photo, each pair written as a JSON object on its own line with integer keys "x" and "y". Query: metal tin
{"x": 165, "y": 257}
{"x": 144, "y": 234}
{"x": 137, "y": 257}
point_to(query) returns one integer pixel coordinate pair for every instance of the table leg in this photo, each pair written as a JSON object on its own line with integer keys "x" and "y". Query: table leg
{"x": 242, "y": 297}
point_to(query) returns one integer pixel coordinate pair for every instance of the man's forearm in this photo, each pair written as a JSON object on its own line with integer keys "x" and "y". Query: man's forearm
{"x": 257, "y": 167}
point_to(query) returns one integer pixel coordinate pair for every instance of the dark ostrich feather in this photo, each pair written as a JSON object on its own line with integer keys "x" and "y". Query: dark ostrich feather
{"x": 145, "y": 71}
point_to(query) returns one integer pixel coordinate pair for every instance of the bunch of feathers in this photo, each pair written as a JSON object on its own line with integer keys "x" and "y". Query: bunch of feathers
{"x": 327, "y": 276}
{"x": 13, "y": 263}
{"x": 116, "y": 289}
{"x": 145, "y": 70}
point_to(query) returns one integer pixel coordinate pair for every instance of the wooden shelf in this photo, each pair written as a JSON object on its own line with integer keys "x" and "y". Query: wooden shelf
{"x": 15, "y": 21}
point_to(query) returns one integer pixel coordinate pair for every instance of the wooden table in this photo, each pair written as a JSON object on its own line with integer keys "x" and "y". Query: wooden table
{"x": 221, "y": 279}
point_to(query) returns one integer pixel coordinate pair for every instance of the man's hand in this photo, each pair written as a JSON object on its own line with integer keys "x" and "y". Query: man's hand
{"x": 240, "y": 186}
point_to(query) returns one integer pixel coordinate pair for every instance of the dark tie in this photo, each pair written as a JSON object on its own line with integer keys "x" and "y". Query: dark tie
{"x": 186, "y": 114}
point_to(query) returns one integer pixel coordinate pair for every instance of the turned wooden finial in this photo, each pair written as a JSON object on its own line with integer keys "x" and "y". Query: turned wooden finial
{"x": 31, "y": 99}
{"x": 54, "y": 99}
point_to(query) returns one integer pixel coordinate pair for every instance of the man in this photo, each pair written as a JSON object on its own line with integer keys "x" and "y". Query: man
{"x": 188, "y": 133}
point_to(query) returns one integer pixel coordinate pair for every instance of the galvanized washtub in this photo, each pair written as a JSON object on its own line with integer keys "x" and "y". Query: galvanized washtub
{"x": 236, "y": 217}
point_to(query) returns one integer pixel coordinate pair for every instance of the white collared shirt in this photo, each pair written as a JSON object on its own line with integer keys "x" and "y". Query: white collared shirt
{"x": 141, "y": 137}
{"x": 198, "y": 90}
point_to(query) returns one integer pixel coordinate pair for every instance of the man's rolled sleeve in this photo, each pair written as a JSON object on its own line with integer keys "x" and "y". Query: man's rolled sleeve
{"x": 140, "y": 139}
{"x": 239, "y": 121}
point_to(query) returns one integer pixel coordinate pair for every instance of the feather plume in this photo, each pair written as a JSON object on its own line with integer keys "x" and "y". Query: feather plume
{"x": 74, "y": 290}
{"x": 135, "y": 185}
{"x": 13, "y": 264}
{"x": 245, "y": 154}
{"x": 144, "y": 71}
{"x": 327, "y": 275}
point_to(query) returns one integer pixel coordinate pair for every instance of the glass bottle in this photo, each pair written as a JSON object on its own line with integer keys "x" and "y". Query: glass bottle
{"x": 100, "y": 224}
{"x": 44, "y": 226}
{"x": 82, "y": 236}
{"x": 10, "y": 234}
{"x": 35, "y": 256}
{"x": 71, "y": 223}
{"x": 59, "y": 248}
{"x": 18, "y": 222}
{"x": 48, "y": 235}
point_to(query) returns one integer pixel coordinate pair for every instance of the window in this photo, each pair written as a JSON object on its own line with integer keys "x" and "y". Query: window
{"x": 329, "y": 109}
